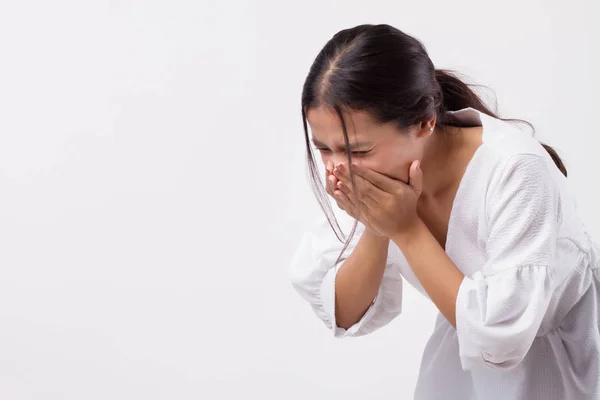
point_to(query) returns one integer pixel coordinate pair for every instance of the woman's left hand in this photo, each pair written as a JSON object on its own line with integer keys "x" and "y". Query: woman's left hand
{"x": 389, "y": 205}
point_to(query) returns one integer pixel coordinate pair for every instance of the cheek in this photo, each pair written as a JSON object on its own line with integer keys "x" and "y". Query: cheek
{"x": 401, "y": 160}
{"x": 325, "y": 157}
{"x": 328, "y": 157}
{"x": 401, "y": 170}
{"x": 394, "y": 164}
{"x": 381, "y": 163}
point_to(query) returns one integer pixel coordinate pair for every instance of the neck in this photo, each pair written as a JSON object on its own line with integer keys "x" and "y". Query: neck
{"x": 445, "y": 158}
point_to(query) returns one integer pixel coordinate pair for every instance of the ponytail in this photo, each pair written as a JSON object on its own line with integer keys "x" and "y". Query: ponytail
{"x": 457, "y": 95}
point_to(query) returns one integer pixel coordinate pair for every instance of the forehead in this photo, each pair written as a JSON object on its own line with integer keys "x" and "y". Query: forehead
{"x": 325, "y": 123}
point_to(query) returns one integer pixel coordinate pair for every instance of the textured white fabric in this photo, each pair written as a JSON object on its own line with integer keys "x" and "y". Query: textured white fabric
{"x": 527, "y": 310}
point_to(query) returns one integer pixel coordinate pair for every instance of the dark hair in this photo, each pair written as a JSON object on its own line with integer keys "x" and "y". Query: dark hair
{"x": 381, "y": 70}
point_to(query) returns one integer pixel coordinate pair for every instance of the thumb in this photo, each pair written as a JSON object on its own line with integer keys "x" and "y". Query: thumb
{"x": 415, "y": 177}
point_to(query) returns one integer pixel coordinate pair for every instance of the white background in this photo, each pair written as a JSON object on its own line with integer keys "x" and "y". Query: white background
{"x": 153, "y": 186}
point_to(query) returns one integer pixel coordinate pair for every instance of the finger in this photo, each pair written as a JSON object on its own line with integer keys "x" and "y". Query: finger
{"x": 356, "y": 198}
{"x": 344, "y": 184}
{"x": 342, "y": 174}
{"x": 351, "y": 198}
{"x": 343, "y": 201}
{"x": 328, "y": 187}
{"x": 330, "y": 179}
{"x": 363, "y": 189}
{"x": 360, "y": 188}
{"x": 369, "y": 202}
{"x": 340, "y": 186}
{"x": 415, "y": 177}
{"x": 356, "y": 208}
{"x": 380, "y": 180}
{"x": 333, "y": 183}
{"x": 364, "y": 210}
{"x": 329, "y": 166}
{"x": 334, "y": 180}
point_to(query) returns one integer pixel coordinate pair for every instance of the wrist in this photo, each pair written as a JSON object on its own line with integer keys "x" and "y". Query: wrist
{"x": 411, "y": 235}
{"x": 375, "y": 238}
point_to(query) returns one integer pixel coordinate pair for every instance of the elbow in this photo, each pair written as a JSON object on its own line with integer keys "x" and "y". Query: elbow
{"x": 500, "y": 347}
{"x": 306, "y": 284}
{"x": 346, "y": 322}
{"x": 298, "y": 283}
{"x": 345, "y": 325}
{"x": 493, "y": 362}
{"x": 503, "y": 355}
{"x": 498, "y": 337}
{"x": 347, "y": 314}
{"x": 303, "y": 291}
{"x": 504, "y": 362}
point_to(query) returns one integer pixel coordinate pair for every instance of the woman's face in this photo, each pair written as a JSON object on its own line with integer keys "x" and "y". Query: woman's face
{"x": 384, "y": 148}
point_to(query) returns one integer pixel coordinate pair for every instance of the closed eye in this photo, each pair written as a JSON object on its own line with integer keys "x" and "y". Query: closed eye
{"x": 354, "y": 152}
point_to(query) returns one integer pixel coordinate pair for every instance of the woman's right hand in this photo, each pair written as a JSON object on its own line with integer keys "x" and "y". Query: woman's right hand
{"x": 344, "y": 199}
{"x": 341, "y": 198}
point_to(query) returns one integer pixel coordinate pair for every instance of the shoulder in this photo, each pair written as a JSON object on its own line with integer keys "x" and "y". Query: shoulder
{"x": 506, "y": 140}
{"x": 509, "y": 154}
{"x": 513, "y": 173}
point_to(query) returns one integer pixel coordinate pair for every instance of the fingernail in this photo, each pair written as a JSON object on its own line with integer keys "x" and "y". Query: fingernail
{"x": 339, "y": 167}
{"x": 418, "y": 165}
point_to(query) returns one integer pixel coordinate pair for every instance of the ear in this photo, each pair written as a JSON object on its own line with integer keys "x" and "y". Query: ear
{"x": 427, "y": 127}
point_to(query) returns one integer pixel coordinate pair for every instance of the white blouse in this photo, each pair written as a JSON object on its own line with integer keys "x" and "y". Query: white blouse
{"x": 527, "y": 311}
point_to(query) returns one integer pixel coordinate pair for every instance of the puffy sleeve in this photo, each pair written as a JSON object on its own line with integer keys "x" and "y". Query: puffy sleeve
{"x": 500, "y": 308}
{"x": 313, "y": 271}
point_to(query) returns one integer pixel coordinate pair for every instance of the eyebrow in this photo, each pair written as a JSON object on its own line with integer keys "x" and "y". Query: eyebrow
{"x": 353, "y": 145}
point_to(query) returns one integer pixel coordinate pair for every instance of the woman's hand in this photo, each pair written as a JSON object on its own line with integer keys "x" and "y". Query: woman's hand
{"x": 333, "y": 189}
{"x": 387, "y": 205}
{"x": 343, "y": 198}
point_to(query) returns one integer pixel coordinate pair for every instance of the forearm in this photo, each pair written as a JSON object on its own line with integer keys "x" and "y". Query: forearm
{"x": 359, "y": 278}
{"x": 436, "y": 272}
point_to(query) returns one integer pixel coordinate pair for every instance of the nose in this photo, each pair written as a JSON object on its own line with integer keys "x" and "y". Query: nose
{"x": 334, "y": 158}
{"x": 339, "y": 158}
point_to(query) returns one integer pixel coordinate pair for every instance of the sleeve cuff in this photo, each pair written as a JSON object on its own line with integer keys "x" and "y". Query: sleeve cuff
{"x": 498, "y": 317}
{"x": 470, "y": 357}
{"x": 328, "y": 300}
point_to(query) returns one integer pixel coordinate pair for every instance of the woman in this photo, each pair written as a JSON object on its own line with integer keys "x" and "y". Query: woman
{"x": 469, "y": 209}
